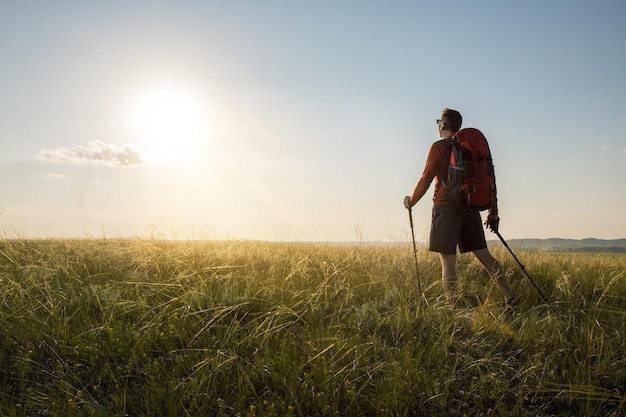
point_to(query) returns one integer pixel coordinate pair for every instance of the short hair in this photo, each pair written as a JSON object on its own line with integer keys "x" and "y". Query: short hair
{"x": 452, "y": 119}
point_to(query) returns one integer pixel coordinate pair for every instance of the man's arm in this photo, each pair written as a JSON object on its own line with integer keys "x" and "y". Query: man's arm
{"x": 493, "y": 219}
{"x": 429, "y": 173}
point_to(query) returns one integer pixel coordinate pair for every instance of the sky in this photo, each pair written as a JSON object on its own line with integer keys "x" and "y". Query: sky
{"x": 304, "y": 121}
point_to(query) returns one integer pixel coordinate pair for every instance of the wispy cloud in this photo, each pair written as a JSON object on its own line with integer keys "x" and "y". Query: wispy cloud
{"x": 54, "y": 176}
{"x": 96, "y": 152}
{"x": 604, "y": 147}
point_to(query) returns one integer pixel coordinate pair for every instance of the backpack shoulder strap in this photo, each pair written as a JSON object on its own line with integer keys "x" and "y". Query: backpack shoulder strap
{"x": 451, "y": 145}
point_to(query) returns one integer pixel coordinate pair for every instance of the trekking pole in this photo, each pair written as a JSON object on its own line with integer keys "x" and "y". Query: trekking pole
{"x": 417, "y": 271}
{"x": 522, "y": 266}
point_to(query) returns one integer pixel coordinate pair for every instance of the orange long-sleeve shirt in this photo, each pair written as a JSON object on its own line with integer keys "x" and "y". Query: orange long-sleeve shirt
{"x": 436, "y": 167}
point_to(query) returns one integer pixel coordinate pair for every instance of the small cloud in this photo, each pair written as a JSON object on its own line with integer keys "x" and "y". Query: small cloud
{"x": 604, "y": 147}
{"x": 54, "y": 176}
{"x": 96, "y": 152}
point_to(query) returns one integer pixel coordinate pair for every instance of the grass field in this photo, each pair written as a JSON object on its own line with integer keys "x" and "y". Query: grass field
{"x": 156, "y": 328}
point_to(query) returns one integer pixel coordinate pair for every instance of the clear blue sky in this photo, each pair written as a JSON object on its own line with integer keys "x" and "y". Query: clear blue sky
{"x": 308, "y": 120}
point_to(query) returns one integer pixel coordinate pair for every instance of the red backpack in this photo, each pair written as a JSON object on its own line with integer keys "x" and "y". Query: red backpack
{"x": 471, "y": 182}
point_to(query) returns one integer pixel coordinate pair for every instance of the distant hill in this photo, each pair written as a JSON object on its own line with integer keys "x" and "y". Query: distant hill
{"x": 570, "y": 245}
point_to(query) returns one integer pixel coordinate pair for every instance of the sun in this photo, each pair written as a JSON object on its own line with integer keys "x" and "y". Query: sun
{"x": 169, "y": 121}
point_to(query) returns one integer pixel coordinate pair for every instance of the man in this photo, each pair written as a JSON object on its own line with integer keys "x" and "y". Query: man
{"x": 450, "y": 226}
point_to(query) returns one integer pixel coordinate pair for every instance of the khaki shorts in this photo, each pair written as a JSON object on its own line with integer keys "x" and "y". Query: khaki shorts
{"x": 451, "y": 228}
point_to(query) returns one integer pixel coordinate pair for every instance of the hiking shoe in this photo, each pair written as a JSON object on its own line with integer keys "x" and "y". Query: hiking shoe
{"x": 511, "y": 303}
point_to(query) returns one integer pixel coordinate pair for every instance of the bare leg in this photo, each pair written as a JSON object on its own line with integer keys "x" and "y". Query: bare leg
{"x": 448, "y": 276}
{"x": 496, "y": 271}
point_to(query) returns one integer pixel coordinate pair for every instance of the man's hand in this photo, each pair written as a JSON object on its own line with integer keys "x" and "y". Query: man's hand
{"x": 492, "y": 222}
{"x": 407, "y": 202}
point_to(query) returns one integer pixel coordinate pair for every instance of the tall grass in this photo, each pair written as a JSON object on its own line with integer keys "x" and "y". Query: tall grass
{"x": 157, "y": 328}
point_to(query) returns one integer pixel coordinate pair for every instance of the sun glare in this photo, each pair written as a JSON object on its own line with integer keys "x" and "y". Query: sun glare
{"x": 169, "y": 122}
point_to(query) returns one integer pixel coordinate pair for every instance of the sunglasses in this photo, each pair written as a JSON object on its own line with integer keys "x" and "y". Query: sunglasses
{"x": 439, "y": 121}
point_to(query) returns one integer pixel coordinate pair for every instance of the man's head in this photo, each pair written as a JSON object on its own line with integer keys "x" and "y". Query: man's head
{"x": 449, "y": 123}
